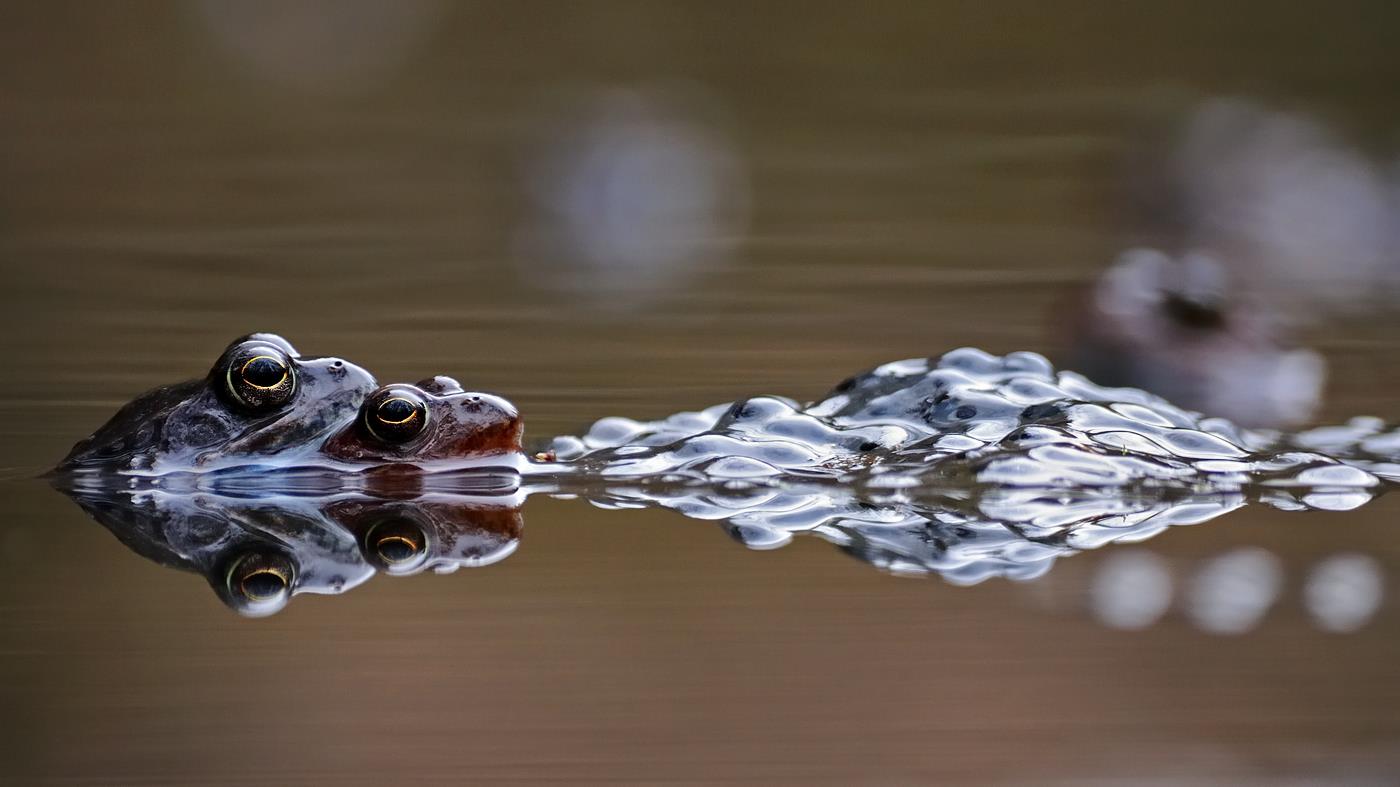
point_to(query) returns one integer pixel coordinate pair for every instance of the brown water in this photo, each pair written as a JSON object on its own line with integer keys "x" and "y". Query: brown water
{"x": 916, "y": 179}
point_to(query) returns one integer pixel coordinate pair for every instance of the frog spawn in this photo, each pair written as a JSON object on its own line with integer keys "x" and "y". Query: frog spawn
{"x": 970, "y": 418}
{"x": 970, "y": 466}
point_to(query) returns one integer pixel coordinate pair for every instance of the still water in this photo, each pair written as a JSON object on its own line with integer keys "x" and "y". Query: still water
{"x": 856, "y": 189}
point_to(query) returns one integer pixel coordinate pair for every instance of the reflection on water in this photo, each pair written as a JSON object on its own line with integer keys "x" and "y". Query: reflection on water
{"x": 968, "y": 466}
{"x": 1231, "y": 593}
{"x": 259, "y": 549}
{"x": 1344, "y": 591}
{"x": 434, "y": 187}
{"x": 1132, "y": 590}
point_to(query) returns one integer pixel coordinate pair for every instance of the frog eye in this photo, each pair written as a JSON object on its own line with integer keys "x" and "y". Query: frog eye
{"x": 260, "y": 583}
{"x": 260, "y": 378}
{"x": 396, "y": 414}
{"x": 396, "y": 546}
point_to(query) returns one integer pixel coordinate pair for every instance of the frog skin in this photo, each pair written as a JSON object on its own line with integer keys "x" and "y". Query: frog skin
{"x": 441, "y": 533}
{"x": 257, "y": 551}
{"x": 435, "y": 422}
{"x": 261, "y": 399}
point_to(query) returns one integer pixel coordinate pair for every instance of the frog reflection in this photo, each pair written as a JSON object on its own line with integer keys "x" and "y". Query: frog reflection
{"x": 257, "y": 552}
{"x": 439, "y": 534}
{"x": 260, "y": 399}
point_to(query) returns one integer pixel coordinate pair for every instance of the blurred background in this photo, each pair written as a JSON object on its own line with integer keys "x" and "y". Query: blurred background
{"x": 640, "y": 208}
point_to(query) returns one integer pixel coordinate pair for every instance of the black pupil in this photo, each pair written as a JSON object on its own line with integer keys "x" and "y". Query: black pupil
{"x": 396, "y": 410}
{"x": 263, "y": 584}
{"x": 397, "y": 549}
{"x": 264, "y": 372}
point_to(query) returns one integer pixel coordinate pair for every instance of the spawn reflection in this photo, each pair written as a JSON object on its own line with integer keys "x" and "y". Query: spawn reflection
{"x": 258, "y": 549}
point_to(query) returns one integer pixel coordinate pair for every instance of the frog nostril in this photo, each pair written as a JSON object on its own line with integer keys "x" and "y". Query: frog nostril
{"x": 337, "y": 364}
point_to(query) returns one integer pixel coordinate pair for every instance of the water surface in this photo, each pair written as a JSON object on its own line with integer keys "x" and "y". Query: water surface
{"x": 914, "y": 180}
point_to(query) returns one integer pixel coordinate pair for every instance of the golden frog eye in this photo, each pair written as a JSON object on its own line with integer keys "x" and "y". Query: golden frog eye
{"x": 264, "y": 372}
{"x": 260, "y": 378}
{"x": 260, "y": 583}
{"x": 396, "y": 546}
{"x": 396, "y": 414}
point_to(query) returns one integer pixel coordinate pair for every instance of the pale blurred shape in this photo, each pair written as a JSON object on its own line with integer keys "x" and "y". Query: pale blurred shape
{"x": 1293, "y": 209}
{"x": 1231, "y": 593}
{"x": 1344, "y": 591}
{"x": 1261, "y": 224}
{"x": 1132, "y": 590}
{"x": 631, "y": 191}
{"x": 1173, "y": 327}
{"x": 320, "y": 46}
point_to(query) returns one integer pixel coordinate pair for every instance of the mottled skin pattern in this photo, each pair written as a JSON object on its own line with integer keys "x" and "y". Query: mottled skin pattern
{"x": 409, "y": 536}
{"x": 257, "y": 553}
{"x": 314, "y": 418}
{"x": 194, "y": 424}
{"x": 459, "y": 425}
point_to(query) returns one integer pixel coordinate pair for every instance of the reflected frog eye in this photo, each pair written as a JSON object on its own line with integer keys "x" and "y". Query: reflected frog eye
{"x": 260, "y": 378}
{"x": 395, "y": 415}
{"x": 260, "y": 583}
{"x": 396, "y": 546}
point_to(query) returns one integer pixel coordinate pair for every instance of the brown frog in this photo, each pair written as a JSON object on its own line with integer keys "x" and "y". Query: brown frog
{"x": 435, "y": 421}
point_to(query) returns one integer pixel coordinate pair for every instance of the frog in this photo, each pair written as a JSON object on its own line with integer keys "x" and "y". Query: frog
{"x": 255, "y": 552}
{"x": 259, "y": 549}
{"x": 261, "y": 400}
{"x": 432, "y": 423}
{"x": 439, "y": 533}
